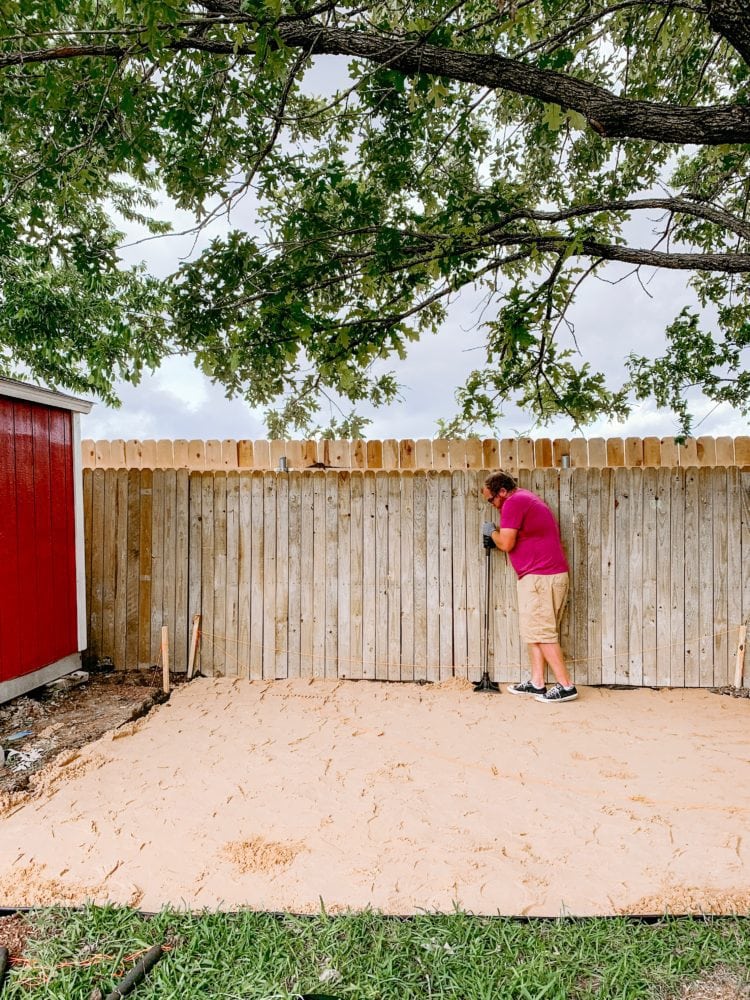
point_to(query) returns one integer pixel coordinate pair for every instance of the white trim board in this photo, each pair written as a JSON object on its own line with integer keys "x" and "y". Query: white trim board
{"x": 35, "y": 394}
{"x": 21, "y": 685}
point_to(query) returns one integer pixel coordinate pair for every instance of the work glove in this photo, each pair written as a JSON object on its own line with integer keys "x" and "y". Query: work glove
{"x": 487, "y": 528}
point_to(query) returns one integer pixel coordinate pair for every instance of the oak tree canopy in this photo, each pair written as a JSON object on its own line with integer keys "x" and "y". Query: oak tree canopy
{"x": 517, "y": 147}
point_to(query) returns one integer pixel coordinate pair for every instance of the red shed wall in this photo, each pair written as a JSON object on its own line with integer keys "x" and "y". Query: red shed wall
{"x": 38, "y": 613}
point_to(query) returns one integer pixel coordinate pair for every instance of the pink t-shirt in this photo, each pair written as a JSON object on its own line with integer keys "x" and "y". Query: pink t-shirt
{"x": 538, "y": 547}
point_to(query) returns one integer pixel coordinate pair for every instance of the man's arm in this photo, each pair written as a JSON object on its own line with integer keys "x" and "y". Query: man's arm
{"x": 505, "y": 538}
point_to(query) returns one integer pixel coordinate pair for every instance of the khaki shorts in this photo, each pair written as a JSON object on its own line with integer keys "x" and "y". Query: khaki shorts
{"x": 541, "y": 602}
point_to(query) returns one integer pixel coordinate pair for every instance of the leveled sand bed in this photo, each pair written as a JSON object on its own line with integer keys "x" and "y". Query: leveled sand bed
{"x": 404, "y": 798}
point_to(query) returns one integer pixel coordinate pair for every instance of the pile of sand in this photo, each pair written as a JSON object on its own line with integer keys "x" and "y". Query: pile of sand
{"x": 401, "y": 797}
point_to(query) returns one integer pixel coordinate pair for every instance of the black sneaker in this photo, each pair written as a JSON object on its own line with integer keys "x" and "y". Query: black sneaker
{"x": 558, "y": 693}
{"x": 526, "y": 687}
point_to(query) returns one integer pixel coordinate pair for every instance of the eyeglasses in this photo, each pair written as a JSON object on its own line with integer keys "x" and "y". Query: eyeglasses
{"x": 491, "y": 499}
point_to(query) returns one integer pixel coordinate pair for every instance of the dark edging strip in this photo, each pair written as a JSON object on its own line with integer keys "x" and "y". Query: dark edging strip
{"x": 634, "y": 918}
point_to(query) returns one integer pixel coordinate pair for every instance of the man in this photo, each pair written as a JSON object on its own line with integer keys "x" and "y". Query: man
{"x": 529, "y": 533}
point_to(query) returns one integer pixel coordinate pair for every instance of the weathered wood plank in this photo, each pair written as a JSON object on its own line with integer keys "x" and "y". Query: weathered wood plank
{"x": 374, "y": 455}
{"x": 96, "y": 600}
{"x": 144, "y": 570}
{"x": 269, "y": 575}
{"x": 406, "y": 454}
{"x": 441, "y": 458}
{"x": 390, "y": 454}
{"x": 564, "y": 515}
{"x": 692, "y": 578}
{"x": 491, "y": 454}
{"x": 233, "y": 666}
{"x": 634, "y": 452}
{"x": 525, "y": 453}
{"x": 725, "y": 451}
{"x": 381, "y": 575}
{"x": 169, "y": 602}
{"x": 560, "y": 451}
{"x": 706, "y": 549}
{"x": 670, "y": 454}
{"x": 677, "y": 576}
{"x": 331, "y": 497}
{"x": 420, "y": 575}
{"x": 369, "y": 574}
{"x": 475, "y": 505}
{"x": 433, "y": 575}
{"x": 615, "y": 453}
{"x": 446, "y": 575}
{"x": 344, "y": 576}
{"x": 157, "y": 564}
{"x": 649, "y": 575}
{"x": 245, "y": 454}
{"x": 705, "y": 448}
{"x": 407, "y": 576}
{"x": 634, "y": 605}
{"x": 458, "y": 571}
{"x": 307, "y": 582}
{"x": 196, "y": 456}
{"x": 723, "y": 665}
{"x": 509, "y": 455}
{"x": 475, "y": 456}
{"x": 543, "y": 453}
{"x": 359, "y": 455}
{"x": 281, "y": 610}
{"x": 652, "y": 451}
{"x": 457, "y": 452}
{"x": 734, "y": 565}
{"x": 578, "y": 453}
{"x": 394, "y": 577}
{"x": 182, "y": 621}
{"x": 244, "y": 575}
{"x": 357, "y": 574}
{"x": 222, "y": 643}
{"x": 120, "y": 569}
{"x": 608, "y": 627}
{"x": 594, "y": 578}
{"x": 423, "y": 453}
{"x": 579, "y": 584}
{"x": 664, "y": 632}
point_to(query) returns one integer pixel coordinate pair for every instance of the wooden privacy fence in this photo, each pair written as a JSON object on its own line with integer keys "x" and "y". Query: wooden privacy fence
{"x": 511, "y": 453}
{"x": 382, "y": 574}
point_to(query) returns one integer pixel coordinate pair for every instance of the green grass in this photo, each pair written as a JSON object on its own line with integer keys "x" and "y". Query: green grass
{"x": 256, "y": 956}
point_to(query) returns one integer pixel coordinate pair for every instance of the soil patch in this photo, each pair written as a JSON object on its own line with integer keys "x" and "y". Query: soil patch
{"x": 283, "y": 795}
{"x": 14, "y": 933}
{"x": 37, "y": 728}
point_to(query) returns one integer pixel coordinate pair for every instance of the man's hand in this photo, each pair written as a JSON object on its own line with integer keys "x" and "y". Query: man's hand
{"x": 487, "y": 540}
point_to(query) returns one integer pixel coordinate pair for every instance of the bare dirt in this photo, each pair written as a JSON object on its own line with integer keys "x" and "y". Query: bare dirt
{"x": 15, "y": 930}
{"x": 60, "y": 720}
{"x": 279, "y": 795}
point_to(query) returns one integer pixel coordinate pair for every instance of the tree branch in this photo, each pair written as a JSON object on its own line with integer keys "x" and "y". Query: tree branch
{"x": 610, "y": 116}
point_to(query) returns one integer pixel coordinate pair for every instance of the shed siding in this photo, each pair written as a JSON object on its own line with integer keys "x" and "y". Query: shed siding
{"x": 38, "y": 614}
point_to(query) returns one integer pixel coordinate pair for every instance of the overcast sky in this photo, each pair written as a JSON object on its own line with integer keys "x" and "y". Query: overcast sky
{"x": 179, "y": 402}
{"x": 610, "y": 321}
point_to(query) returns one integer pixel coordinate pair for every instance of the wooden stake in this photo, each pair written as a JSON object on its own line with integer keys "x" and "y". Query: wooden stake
{"x": 165, "y": 658}
{"x": 740, "y": 665}
{"x": 193, "y": 645}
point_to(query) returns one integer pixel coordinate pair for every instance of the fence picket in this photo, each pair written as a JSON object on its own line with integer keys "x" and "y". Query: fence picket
{"x": 223, "y": 646}
{"x": 356, "y": 588}
{"x": 649, "y": 575}
{"x": 406, "y": 651}
{"x": 634, "y": 605}
{"x": 282, "y": 566}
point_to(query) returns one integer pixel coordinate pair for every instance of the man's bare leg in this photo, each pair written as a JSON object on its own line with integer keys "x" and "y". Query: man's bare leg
{"x": 553, "y": 654}
{"x": 536, "y": 659}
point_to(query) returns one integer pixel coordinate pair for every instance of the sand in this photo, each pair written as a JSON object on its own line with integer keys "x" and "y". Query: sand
{"x": 404, "y": 798}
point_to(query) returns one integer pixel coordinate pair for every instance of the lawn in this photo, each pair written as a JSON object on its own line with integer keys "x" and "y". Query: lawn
{"x": 261, "y": 956}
